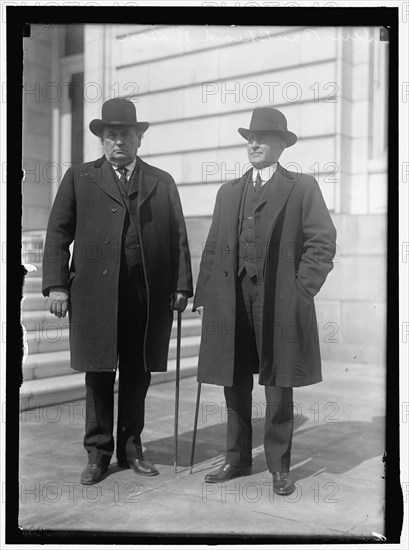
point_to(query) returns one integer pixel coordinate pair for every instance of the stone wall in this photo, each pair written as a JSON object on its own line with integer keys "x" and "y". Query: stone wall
{"x": 37, "y": 128}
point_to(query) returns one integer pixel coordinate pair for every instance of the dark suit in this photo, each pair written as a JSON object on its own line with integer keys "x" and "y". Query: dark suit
{"x": 133, "y": 379}
{"x": 119, "y": 299}
{"x": 264, "y": 324}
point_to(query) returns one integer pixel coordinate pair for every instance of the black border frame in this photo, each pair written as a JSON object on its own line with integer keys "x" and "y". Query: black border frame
{"x": 18, "y": 25}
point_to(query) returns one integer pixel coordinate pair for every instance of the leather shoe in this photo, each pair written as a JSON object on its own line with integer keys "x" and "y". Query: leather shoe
{"x": 93, "y": 473}
{"x": 282, "y": 485}
{"x": 227, "y": 472}
{"x": 139, "y": 466}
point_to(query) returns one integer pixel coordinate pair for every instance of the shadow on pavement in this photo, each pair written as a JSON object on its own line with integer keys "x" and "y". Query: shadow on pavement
{"x": 335, "y": 447}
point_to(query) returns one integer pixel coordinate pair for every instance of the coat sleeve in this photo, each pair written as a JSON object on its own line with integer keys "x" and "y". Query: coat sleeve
{"x": 180, "y": 256}
{"x": 319, "y": 236}
{"x": 59, "y": 236}
{"x": 208, "y": 255}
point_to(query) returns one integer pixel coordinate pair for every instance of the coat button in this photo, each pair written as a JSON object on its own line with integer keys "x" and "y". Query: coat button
{"x": 225, "y": 273}
{"x": 106, "y": 241}
{"x": 105, "y": 272}
{"x": 113, "y": 210}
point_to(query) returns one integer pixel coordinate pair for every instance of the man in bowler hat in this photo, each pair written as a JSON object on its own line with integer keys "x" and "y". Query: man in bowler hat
{"x": 130, "y": 268}
{"x": 269, "y": 250}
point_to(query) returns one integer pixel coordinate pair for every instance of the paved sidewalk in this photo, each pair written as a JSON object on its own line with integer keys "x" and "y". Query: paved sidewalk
{"x": 336, "y": 463}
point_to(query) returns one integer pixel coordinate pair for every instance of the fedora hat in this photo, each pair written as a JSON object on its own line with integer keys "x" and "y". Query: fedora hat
{"x": 269, "y": 120}
{"x": 117, "y": 112}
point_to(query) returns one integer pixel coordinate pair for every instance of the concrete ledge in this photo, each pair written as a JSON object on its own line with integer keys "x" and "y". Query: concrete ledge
{"x": 32, "y": 285}
{"x": 70, "y": 387}
{"x": 47, "y": 365}
{"x": 34, "y": 301}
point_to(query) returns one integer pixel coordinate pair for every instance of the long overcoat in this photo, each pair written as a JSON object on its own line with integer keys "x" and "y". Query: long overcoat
{"x": 293, "y": 223}
{"x": 90, "y": 211}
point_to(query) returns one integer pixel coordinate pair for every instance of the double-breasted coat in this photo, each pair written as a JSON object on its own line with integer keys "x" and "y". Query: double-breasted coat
{"x": 90, "y": 211}
{"x": 293, "y": 223}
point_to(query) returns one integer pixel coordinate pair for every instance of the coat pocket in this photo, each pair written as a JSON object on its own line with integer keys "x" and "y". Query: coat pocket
{"x": 301, "y": 289}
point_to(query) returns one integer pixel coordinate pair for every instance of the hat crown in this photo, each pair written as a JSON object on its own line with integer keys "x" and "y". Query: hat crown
{"x": 119, "y": 110}
{"x": 268, "y": 119}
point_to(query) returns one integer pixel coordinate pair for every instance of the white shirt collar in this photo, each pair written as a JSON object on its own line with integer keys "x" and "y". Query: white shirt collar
{"x": 130, "y": 167}
{"x": 265, "y": 173}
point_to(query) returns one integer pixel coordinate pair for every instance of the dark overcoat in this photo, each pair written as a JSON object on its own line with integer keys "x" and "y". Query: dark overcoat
{"x": 293, "y": 224}
{"x": 90, "y": 210}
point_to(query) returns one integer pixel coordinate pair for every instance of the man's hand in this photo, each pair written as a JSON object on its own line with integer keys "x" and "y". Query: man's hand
{"x": 199, "y": 309}
{"x": 178, "y": 301}
{"x": 58, "y": 301}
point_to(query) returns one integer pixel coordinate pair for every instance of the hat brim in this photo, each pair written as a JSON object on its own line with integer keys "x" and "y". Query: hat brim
{"x": 287, "y": 136}
{"x": 97, "y": 125}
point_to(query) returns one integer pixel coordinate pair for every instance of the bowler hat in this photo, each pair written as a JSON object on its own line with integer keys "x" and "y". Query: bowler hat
{"x": 117, "y": 112}
{"x": 269, "y": 120}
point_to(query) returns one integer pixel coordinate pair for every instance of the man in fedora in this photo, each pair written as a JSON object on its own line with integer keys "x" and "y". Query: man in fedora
{"x": 129, "y": 269}
{"x": 269, "y": 250}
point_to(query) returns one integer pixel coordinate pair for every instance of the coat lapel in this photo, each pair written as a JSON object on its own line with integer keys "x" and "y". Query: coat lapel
{"x": 234, "y": 205}
{"x": 105, "y": 179}
{"x": 142, "y": 182}
{"x": 133, "y": 185}
{"x": 147, "y": 182}
{"x": 276, "y": 195}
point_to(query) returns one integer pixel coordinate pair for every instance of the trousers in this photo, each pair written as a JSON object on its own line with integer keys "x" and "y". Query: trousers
{"x": 279, "y": 419}
{"x": 133, "y": 379}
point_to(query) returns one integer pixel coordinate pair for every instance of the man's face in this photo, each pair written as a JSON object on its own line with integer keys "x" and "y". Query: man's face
{"x": 264, "y": 148}
{"x": 120, "y": 144}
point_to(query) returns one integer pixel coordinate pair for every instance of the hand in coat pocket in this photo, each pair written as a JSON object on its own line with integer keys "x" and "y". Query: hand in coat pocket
{"x": 302, "y": 290}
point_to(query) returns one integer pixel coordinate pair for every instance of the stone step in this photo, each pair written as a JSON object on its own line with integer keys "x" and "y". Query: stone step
{"x": 49, "y": 340}
{"x": 47, "y": 365}
{"x": 52, "y": 338}
{"x": 32, "y": 285}
{"x": 43, "y": 323}
{"x": 56, "y": 363}
{"x": 34, "y": 301}
{"x": 42, "y": 320}
{"x": 34, "y": 310}
{"x": 70, "y": 387}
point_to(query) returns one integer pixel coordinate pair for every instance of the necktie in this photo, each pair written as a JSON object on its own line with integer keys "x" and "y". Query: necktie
{"x": 123, "y": 179}
{"x": 258, "y": 184}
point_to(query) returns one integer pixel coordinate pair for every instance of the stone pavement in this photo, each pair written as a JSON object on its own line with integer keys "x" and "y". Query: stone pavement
{"x": 336, "y": 462}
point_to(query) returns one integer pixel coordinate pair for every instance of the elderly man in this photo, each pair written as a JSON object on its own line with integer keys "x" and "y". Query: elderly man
{"x": 130, "y": 268}
{"x": 269, "y": 250}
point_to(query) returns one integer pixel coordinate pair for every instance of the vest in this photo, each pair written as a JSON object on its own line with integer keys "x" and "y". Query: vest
{"x": 130, "y": 235}
{"x": 250, "y": 256}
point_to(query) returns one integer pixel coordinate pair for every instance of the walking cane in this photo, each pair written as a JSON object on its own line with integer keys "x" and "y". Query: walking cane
{"x": 178, "y": 338}
{"x": 192, "y": 453}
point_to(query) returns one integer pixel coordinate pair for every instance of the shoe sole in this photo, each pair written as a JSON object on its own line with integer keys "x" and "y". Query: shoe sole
{"x": 127, "y": 467}
{"x": 284, "y": 494}
{"x": 241, "y": 474}
{"x": 90, "y": 482}
{"x": 103, "y": 475}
